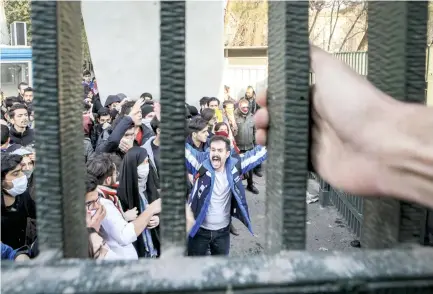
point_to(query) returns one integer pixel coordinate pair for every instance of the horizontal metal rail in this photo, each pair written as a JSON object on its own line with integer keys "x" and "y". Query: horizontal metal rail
{"x": 288, "y": 272}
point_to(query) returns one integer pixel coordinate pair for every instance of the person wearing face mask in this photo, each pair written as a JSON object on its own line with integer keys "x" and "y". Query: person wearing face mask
{"x": 102, "y": 123}
{"x": 147, "y": 114}
{"x": 27, "y": 166}
{"x": 132, "y": 193}
{"x": 127, "y": 131}
{"x": 245, "y": 136}
{"x": 17, "y": 205}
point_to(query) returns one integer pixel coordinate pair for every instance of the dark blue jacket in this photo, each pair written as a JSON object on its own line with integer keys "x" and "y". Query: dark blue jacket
{"x": 199, "y": 198}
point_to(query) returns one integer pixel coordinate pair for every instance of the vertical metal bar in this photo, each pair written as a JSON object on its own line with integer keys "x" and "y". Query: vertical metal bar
{"x": 396, "y": 65}
{"x": 173, "y": 126}
{"x": 289, "y": 124}
{"x": 59, "y": 143}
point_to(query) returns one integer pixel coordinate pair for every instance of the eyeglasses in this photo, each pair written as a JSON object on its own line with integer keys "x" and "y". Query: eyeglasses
{"x": 90, "y": 204}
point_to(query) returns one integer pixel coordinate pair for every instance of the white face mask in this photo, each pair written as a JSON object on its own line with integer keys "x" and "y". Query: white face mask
{"x": 143, "y": 171}
{"x": 19, "y": 186}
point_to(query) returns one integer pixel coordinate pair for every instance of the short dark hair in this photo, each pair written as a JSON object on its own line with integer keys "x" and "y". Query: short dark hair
{"x": 22, "y": 84}
{"x": 126, "y": 108}
{"x": 103, "y": 111}
{"x": 86, "y": 73}
{"x": 91, "y": 183}
{"x": 213, "y": 99}
{"x": 208, "y": 114}
{"x": 204, "y": 101}
{"x": 5, "y": 134}
{"x": 217, "y": 138}
{"x": 225, "y": 103}
{"x": 16, "y": 107}
{"x": 196, "y": 125}
{"x": 219, "y": 125}
{"x": 146, "y": 94}
{"x": 155, "y": 124}
{"x": 28, "y": 89}
{"x": 9, "y": 162}
{"x": 9, "y": 101}
{"x": 101, "y": 167}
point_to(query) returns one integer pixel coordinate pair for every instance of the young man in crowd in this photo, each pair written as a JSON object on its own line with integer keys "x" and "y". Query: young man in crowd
{"x": 209, "y": 116}
{"x": 218, "y": 194}
{"x": 87, "y": 79}
{"x": 198, "y": 134}
{"x": 21, "y": 87}
{"x": 20, "y": 132}
{"x": 17, "y": 205}
{"x": 245, "y": 136}
{"x": 102, "y": 123}
{"x": 5, "y": 139}
{"x": 28, "y": 96}
{"x": 204, "y": 103}
{"x": 198, "y": 139}
{"x": 147, "y": 114}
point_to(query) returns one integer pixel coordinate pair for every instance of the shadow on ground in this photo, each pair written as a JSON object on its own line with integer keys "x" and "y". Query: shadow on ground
{"x": 326, "y": 230}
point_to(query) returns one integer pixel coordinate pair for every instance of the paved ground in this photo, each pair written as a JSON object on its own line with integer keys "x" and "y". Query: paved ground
{"x": 326, "y": 230}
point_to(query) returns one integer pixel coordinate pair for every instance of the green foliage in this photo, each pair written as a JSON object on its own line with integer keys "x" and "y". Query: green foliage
{"x": 19, "y": 11}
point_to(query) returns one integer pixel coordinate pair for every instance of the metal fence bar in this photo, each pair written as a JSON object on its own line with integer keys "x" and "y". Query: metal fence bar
{"x": 173, "y": 178}
{"x": 59, "y": 144}
{"x": 288, "y": 137}
{"x": 396, "y": 66}
{"x": 373, "y": 272}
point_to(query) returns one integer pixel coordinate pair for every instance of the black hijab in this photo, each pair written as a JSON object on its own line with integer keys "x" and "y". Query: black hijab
{"x": 128, "y": 182}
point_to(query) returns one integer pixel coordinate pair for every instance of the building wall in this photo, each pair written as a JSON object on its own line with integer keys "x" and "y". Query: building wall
{"x": 124, "y": 38}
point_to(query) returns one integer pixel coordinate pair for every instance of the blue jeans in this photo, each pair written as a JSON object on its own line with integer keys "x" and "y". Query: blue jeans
{"x": 217, "y": 241}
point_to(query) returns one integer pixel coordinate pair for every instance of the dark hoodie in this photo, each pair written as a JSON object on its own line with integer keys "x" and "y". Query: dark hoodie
{"x": 24, "y": 139}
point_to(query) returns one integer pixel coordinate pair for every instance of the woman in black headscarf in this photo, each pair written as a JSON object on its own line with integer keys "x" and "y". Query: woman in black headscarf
{"x": 134, "y": 174}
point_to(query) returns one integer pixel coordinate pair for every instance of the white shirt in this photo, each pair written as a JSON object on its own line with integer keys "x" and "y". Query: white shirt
{"x": 218, "y": 214}
{"x": 118, "y": 233}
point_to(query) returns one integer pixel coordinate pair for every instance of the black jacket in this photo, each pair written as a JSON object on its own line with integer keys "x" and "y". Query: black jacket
{"x": 111, "y": 144}
{"x": 24, "y": 139}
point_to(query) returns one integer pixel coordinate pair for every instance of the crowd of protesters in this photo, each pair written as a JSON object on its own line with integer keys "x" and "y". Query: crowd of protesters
{"x": 122, "y": 156}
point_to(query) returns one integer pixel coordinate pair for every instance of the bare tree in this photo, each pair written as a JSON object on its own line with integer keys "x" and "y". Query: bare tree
{"x": 332, "y": 26}
{"x": 316, "y": 6}
{"x": 349, "y": 35}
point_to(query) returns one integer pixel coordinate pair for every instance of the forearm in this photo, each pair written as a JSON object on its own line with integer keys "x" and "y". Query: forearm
{"x": 141, "y": 222}
{"x": 407, "y": 153}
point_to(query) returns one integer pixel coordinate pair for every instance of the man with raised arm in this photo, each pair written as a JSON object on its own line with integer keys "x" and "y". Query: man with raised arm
{"x": 218, "y": 194}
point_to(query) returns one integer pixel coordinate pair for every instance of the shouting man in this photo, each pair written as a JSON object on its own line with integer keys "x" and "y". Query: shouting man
{"x": 218, "y": 194}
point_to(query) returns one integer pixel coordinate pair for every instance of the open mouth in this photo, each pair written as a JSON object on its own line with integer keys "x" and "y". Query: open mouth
{"x": 216, "y": 159}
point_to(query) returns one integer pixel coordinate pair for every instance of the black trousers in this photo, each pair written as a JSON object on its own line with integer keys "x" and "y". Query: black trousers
{"x": 249, "y": 175}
